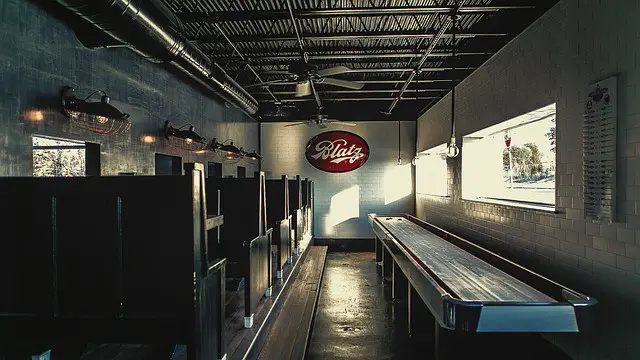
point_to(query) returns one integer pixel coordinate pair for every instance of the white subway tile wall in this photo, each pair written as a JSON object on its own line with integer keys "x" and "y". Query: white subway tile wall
{"x": 576, "y": 43}
{"x": 285, "y": 154}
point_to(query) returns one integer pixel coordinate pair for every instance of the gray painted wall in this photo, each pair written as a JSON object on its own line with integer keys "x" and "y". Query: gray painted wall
{"x": 371, "y": 186}
{"x": 576, "y": 43}
{"x": 39, "y": 55}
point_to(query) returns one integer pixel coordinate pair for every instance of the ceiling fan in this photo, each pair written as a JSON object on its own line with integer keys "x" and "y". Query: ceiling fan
{"x": 303, "y": 74}
{"x": 321, "y": 121}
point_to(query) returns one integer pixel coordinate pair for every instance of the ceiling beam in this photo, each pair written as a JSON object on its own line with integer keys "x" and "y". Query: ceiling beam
{"x": 224, "y": 16}
{"x": 378, "y": 70}
{"x": 397, "y": 81}
{"x": 346, "y": 36}
{"x": 363, "y": 91}
{"x": 341, "y": 57}
{"x": 352, "y": 99}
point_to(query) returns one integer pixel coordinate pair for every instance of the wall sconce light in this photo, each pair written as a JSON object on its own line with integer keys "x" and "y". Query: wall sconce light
{"x": 185, "y": 137}
{"x": 97, "y": 116}
{"x": 230, "y": 151}
{"x": 148, "y": 139}
{"x": 252, "y": 155}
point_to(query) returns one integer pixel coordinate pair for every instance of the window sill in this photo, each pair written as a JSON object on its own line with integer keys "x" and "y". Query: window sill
{"x": 514, "y": 204}
{"x": 435, "y": 196}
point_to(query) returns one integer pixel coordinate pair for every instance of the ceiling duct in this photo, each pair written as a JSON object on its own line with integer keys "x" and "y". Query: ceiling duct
{"x": 133, "y": 24}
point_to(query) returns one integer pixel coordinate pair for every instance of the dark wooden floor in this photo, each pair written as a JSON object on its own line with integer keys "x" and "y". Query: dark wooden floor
{"x": 288, "y": 337}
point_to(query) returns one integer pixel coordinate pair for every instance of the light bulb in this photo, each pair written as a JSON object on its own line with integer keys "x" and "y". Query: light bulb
{"x": 148, "y": 139}
{"x": 452, "y": 149}
{"x": 188, "y": 141}
{"x": 101, "y": 119}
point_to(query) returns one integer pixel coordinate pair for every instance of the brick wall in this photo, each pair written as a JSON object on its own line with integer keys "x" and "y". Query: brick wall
{"x": 576, "y": 43}
{"x": 39, "y": 55}
{"x": 286, "y": 147}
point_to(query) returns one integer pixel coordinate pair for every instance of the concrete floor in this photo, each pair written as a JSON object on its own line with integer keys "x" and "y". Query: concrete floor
{"x": 356, "y": 319}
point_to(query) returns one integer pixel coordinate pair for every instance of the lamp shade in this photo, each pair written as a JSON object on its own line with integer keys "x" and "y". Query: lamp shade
{"x": 96, "y": 116}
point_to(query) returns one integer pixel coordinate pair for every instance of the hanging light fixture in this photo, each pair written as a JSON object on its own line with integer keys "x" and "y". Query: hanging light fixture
{"x": 97, "y": 116}
{"x": 399, "y": 137}
{"x": 185, "y": 138}
{"x": 452, "y": 148}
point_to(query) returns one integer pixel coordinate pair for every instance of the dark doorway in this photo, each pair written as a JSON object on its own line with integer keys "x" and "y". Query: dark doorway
{"x": 214, "y": 170}
{"x": 168, "y": 165}
{"x": 92, "y": 158}
{"x": 242, "y": 172}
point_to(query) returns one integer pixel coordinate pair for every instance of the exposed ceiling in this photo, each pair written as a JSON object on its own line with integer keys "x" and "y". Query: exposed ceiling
{"x": 381, "y": 41}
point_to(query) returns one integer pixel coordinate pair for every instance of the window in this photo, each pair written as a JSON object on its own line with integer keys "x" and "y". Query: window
{"x": 58, "y": 157}
{"x": 431, "y": 171}
{"x": 242, "y": 172}
{"x": 214, "y": 170}
{"x": 513, "y": 161}
{"x": 168, "y": 165}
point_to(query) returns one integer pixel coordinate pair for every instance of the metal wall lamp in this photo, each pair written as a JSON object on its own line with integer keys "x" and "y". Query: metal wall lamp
{"x": 231, "y": 152}
{"x": 96, "y": 116}
{"x": 185, "y": 137}
{"x": 252, "y": 155}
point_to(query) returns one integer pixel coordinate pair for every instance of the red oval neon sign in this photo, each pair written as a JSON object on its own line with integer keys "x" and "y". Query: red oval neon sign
{"x": 337, "y": 151}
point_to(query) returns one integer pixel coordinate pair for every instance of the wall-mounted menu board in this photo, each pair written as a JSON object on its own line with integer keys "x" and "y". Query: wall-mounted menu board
{"x": 599, "y": 151}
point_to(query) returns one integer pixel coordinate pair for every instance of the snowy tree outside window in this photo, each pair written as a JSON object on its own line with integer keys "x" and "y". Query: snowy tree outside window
{"x": 58, "y": 157}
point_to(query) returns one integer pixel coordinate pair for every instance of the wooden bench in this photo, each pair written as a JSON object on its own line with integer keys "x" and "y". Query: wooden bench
{"x": 245, "y": 240}
{"x": 278, "y": 216}
{"x": 109, "y": 260}
{"x": 291, "y": 330}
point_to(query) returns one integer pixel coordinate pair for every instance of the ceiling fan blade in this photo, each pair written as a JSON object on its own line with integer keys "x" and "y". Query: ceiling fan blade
{"x": 266, "y": 83}
{"x": 336, "y": 70}
{"x": 303, "y": 88}
{"x": 295, "y": 124}
{"x": 342, "y": 83}
{"x": 334, "y": 121}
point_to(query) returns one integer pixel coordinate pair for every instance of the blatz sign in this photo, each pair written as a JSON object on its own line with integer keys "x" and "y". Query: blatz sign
{"x": 337, "y": 151}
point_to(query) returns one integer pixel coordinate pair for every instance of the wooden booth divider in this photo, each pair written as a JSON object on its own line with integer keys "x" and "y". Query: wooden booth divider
{"x": 109, "y": 260}
{"x": 295, "y": 209}
{"x": 245, "y": 240}
{"x": 278, "y": 216}
{"x": 307, "y": 206}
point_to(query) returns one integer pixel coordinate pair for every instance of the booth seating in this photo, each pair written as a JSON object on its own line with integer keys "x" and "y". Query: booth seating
{"x": 109, "y": 260}
{"x": 245, "y": 239}
{"x": 295, "y": 209}
{"x": 468, "y": 289}
{"x": 279, "y": 218}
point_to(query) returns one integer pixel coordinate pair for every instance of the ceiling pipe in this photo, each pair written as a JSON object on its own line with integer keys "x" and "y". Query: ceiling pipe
{"x": 288, "y": 83}
{"x": 444, "y": 28}
{"x": 305, "y": 56}
{"x": 128, "y": 22}
{"x": 233, "y": 46}
{"x": 363, "y": 91}
{"x": 194, "y": 17}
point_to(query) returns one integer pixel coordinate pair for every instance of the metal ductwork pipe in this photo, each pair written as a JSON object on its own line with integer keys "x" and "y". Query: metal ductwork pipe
{"x": 129, "y": 23}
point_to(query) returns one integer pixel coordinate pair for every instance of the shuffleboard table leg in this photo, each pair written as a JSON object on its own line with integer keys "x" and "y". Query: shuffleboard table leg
{"x": 387, "y": 264}
{"x": 442, "y": 342}
{"x": 399, "y": 283}
{"x": 378, "y": 251}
